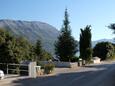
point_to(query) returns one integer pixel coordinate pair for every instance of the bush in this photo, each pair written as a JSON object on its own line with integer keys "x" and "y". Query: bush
{"x": 40, "y": 64}
{"x": 48, "y": 68}
{"x": 74, "y": 59}
{"x": 104, "y": 50}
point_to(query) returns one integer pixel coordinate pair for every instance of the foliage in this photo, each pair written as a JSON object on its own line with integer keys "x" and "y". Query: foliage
{"x": 6, "y": 43}
{"x": 66, "y": 46}
{"x": 104, "y": 50}
{"x": 89, "y": 53}
{"x": 85, "y": 44}
{"x": 40, "y": 64}
{"x": 38, "y": 50}
{"x": 74, "y": 59}
{"x": 48, "y": 68}
{"x": 46, "y": 56}
{"x": 112, "y": 27}
{"x": 24, "y": 49}
{"x": 12, "y": 49}
{"x": 41, "y": 54}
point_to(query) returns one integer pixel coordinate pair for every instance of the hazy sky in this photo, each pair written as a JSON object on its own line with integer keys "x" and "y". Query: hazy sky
{"x": 98, "y": 13}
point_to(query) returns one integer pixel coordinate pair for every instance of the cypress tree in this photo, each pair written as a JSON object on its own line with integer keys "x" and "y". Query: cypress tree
{"x": 66, "y": 45}
{"x": 85, "y": 43}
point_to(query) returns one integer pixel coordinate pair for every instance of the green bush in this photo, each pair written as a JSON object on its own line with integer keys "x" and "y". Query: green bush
{"x": 74, "y": 59}
{"x": 48, "y": 68}
{"x": 40, "y": 64}
{"x": 104, "y": 50}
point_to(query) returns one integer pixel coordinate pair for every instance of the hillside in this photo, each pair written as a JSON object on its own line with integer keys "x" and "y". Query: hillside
{"x": 33, "y": 30}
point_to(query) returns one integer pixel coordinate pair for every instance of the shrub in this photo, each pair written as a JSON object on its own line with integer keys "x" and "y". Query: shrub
{"x": 74, "y": 59}
{"x": 104, "y": 50}
{"x": 40, "y": 64}
{"x": 48, "y": 68}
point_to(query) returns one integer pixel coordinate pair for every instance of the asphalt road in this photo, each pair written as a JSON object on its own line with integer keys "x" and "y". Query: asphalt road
{"x": 93, "y": 75}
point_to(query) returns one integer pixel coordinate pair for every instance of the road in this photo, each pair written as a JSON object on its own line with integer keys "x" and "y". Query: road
{"x": 93, "y": 75}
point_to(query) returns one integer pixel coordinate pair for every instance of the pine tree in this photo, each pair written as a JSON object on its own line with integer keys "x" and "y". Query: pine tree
{"x": 85, "y": 44}
{"x": 66, "y": 46}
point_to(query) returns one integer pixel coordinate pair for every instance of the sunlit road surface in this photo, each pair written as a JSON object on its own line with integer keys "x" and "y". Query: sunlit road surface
{"x": 92, "y": 75}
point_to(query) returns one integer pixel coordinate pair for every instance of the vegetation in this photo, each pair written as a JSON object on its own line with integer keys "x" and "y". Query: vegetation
{"x": 75, "y": 59}
{"x": 66, "y": 46}
{"x": 13, "y": 50}
{"x": 85, "y": 44}
{"x": 41, "y": 55}
{"x": 112, "y": 27}
{"x": 104, "y": 50}
{"x": 46, "y": 56}
{"x": 16, "y": 49}
{"x": 38, "y": 50}
{"x": 48, "y": 68}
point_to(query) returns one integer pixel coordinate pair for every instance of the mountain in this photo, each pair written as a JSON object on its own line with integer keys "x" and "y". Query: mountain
{"x": 33, "y": 31}
{"x": 102, "y": 40}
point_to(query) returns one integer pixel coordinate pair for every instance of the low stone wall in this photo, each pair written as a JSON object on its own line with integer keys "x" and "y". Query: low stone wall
{"x": 74, "y": 65}
{"x": 62, "y": 64}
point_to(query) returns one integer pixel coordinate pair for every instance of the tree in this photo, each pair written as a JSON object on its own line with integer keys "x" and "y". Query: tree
{"x": 6, "y": 41}
{"x": 38, "y": 50}
{"x": 85, "y": 43}
{"x": 104, "y": 50}
{"x": 23, "y": 49}
{"x": 66, "y": 45}
{"x": 41, "y": 54}
{"x": 12, "y": 49}
{"x": 112, "y": 27}
{"x": 46, "y": 56}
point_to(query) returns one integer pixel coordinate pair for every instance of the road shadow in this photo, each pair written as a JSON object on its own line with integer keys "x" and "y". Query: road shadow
{"x": 57, "y": 80}
{"x": 76, "y": 78}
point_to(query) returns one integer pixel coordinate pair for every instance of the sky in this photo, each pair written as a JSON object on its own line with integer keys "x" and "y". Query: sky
{"x": 97, "y": 13}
